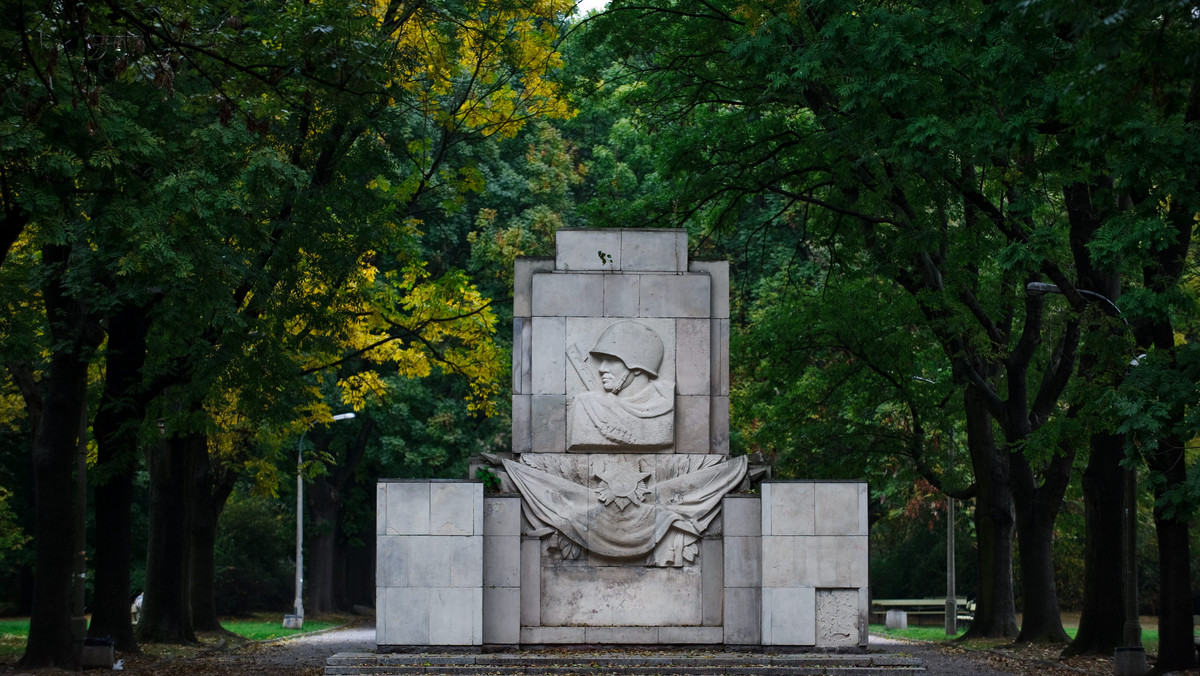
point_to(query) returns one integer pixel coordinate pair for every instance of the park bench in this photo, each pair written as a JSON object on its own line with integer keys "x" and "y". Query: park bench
{"x": 930, "y": 611}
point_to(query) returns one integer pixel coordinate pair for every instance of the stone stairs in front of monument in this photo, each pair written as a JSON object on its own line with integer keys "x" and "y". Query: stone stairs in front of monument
{"x": 649, "y": 662}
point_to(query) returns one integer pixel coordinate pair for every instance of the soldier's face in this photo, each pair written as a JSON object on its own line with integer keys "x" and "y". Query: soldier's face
{"x": 612, "y": 372}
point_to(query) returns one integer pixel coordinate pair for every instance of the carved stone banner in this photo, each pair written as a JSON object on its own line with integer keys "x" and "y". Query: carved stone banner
{"x": 647, "y": 510}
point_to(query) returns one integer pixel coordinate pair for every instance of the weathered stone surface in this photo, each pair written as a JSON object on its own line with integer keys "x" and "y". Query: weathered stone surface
{"x": 840, "y": 508}
{"x": 549, "y": 423}
{"x": 789, "y": 616}
{"x": 551, "y": 635}
{"x": 622, "y": 295}
{"x": 712, "y": 581}
{"x": 502, "y": 561}
{"x": 640, "y": 635}
{"x": 502, "y": 516}
{"x": 406, "y": 509}
{"x": 531, "y": 586}
{"x": 718, "y": 271}
{"x": 402, "y": 616}
{"x": 743, "y": 561}
{"x": 456, "y": 616}
{"x": 654, "y": 250}
{"x": 789, "y": 508}
{"x": 674, "y": 296}
{"x": 522, "y": 431}
{"x": 620, "y": 596}
{"x": 580, "y": 250}
{"x": 718, "y": 423}
{"x": 711, "y": 635}
{"x": 692, "y": 424}
{"x": 568, "y": 295}
{"x": 743, "y": 616}
{"x": 391, "y": 560}
{"x": 523, "y": 271}
{"x": 501, "y": 615}
{"x": 838, "y": 622}
{"x": 693, "y": 359}
{"x": 522, "y": 357}
{"x": 455, "y": 508}
{"x": 742, "y": 515}
{"x": 549, "y": 371}
{"x": 719, "y": 334}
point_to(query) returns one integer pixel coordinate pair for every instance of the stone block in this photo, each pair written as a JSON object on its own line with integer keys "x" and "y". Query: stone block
{"x": 466, "y": 562}
{"x": 522, "y": 432}
{"x": 621, "y": 295}
{"x": 713, "y": 635}
{"x": 522, "y": 355}
{"x": 523, "y": 271}
{"x": 692, "y": 359}
{"x": 639, "y": 635}
{"x": 405, "y": 617}
{"x": 577, "y": 250}
{"x": 719, "y": 334}
{"x": 712, "y": 580}
{"x": 551, "y": 635}
{"x": 743, "y": 561}
{"x": 743, "y": 616}
{"x": 501, "y": 561}
{"x": 691, "y": 424}
{"x": 391, "y": 560}
{"x": 455, "y": 508}
{"x": 531, "y": 581}
{"x": 674, "y": 296}
{"x": 718, "y": 422}
{"x": 838, "y": 621}
{"x": 778, "y": 561}
{"x": 430, "y": 561}
{"x": 501, "y": 615}
{"x": 718, "y": 271}
{"x": 896, "y": 619}
{"x": 654, "y": 250}
{"x": 380, "y": 508}
{"x": 789, "y": 509}
{"x": 837, "y": 508}
{"x": 833, "y": 561}
{"x": 789, "y": 616}
{"x": 502, "y": 516}
{"x": 456, "y": 617}
{"x": 549, "y": 369}
{"x": 568, "y": 295}
{"x": 548, "y": 423}
{"x": 742, "y": 515}
{"x": 407, "y": 508}
{"x": 620, "y": 596}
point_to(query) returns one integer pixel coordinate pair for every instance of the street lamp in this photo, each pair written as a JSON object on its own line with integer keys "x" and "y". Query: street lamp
{"x": 296, "y": 620}
{"x": 1130, "y": 659}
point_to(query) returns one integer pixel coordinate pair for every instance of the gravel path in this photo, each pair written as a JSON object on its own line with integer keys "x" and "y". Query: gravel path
{"x": 305, "y": 656}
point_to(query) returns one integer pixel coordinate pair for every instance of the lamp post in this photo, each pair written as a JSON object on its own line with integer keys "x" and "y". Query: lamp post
{"x": 1131, "y": 658}
{"x": 296, "y": 620}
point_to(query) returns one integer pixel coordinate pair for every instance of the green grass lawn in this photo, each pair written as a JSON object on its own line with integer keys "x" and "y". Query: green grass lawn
{"x": 914, "y": 633}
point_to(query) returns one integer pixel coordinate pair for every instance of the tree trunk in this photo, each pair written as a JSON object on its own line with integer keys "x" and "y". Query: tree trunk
{"x": 324, "y": 505}
{"x": 75, "y": 334}
{"x": 1041, "y": 621}
{"x": 1102, "y": 620}
{"x": 995, "y": 612}
{"x": 212, "y": 486}
{"x": 1176, "y": 642}
{"x": 166, "y": 612}
{"x": 122, "y": 408}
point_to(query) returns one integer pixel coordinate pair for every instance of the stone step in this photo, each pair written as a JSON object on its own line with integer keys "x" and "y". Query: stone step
{"x": 691, "y": 663}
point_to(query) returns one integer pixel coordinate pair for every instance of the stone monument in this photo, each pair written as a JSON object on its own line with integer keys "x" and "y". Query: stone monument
{"x": 620, "y": 520}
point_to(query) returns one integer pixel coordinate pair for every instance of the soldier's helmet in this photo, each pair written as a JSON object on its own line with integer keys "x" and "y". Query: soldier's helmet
{"x": 633, "y": 343}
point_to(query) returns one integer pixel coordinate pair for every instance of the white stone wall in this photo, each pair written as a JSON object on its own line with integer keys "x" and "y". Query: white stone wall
{"x": 814, "y": 563}
{"x": 429, "y": 563}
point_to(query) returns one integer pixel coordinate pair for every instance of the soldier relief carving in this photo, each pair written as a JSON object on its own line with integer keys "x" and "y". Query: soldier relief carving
{"x": 626, "y": 405}
{"x": 643, "y": 509}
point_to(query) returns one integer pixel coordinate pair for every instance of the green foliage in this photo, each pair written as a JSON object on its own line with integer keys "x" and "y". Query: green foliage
{"x": 254, "y": 551}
